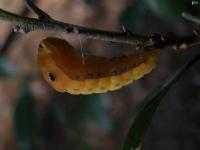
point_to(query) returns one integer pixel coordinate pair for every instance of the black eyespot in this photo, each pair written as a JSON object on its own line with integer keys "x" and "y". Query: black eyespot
{"x": 51, "y": 77}
{"x": 41, "y": 46}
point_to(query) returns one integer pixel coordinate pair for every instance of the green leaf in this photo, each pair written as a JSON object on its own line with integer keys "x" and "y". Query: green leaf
{"x": 6, "y": 69}
{"x": 143, "y": 113}
{"x": 167, "y": 9}
{"x": 25, "y": 120}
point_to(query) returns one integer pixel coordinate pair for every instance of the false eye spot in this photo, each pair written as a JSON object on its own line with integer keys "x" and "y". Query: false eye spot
{"x": 41, "y": 46}
{"x": 51, "y": 77}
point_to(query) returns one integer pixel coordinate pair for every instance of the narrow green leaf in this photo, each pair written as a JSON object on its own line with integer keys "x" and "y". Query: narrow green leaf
{"x": 143, "y": 113}
{"x": 25, "y": 120}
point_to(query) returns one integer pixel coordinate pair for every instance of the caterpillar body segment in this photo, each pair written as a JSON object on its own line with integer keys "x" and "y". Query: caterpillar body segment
{"x": 63, "y": 68}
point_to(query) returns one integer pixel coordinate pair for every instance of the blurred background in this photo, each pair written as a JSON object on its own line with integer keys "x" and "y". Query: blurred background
{"x": 34, "y": 116}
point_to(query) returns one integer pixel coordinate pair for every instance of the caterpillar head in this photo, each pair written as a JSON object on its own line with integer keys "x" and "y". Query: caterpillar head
{"x": 54, "y": 55}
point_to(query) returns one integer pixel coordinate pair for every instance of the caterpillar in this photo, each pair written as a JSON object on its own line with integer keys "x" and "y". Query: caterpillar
{"x": 63, "y": 69}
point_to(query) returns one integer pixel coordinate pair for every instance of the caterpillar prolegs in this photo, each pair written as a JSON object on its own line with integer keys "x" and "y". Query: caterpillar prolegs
{"x": 62, "y": 68}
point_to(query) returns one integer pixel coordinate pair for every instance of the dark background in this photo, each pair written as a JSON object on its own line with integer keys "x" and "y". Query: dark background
{"x": 34, "y": 116}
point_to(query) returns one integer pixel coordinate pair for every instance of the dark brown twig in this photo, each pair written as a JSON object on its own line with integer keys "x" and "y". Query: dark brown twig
{"x": 46, "y": 23}
{"x": 31, "y": 24}
{"x": 41, "y": 14}
{"x": 12, "y": 36}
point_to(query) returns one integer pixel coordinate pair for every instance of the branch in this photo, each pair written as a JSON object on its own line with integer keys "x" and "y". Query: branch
{"x": 11, "y": 36}
{"x": 27, "y": 24}
{"x": 46, "y": 23}
{"x": 41, "y": 14}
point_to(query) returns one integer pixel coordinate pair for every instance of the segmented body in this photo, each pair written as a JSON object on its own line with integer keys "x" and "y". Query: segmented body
{"x": 63, "y": 68}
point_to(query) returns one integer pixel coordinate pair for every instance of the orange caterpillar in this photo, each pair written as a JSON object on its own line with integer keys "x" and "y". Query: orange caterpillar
{"x": 63, "y": 68}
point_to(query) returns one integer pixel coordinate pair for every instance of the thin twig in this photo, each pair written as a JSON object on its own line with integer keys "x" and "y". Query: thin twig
{"x": 46, "y": 23}
{"x": 41, "y": 14}
{"x": 12, "y": 36}
{"x": 33, "y": 24}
